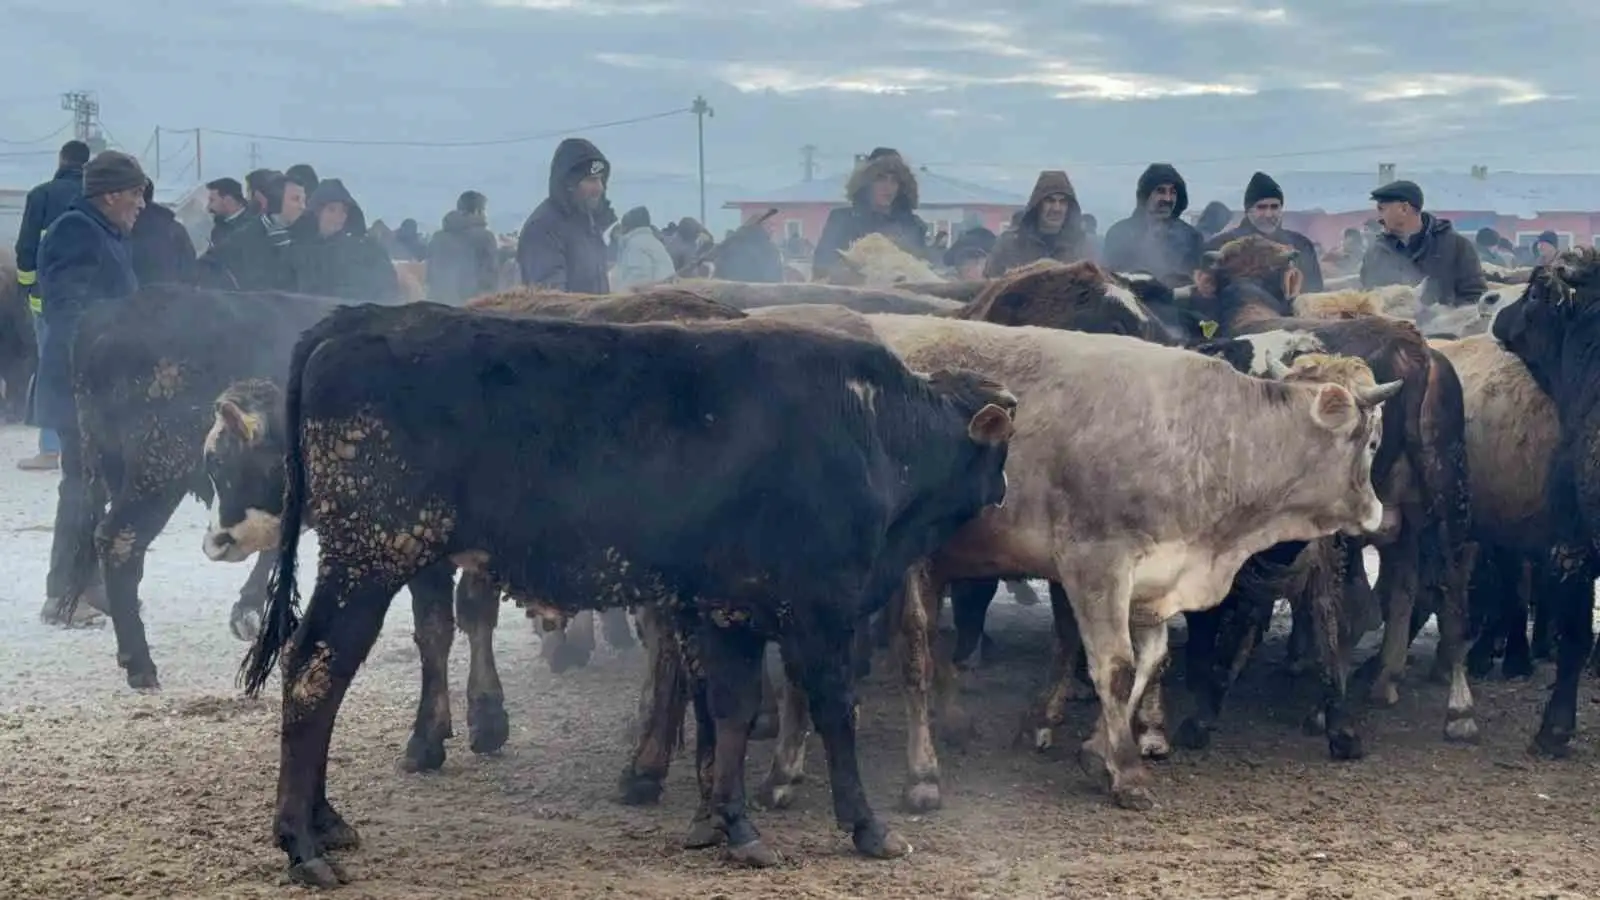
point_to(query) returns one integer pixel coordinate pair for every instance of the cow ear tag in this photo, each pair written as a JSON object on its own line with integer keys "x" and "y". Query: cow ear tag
{"x": 1208, "y": 329}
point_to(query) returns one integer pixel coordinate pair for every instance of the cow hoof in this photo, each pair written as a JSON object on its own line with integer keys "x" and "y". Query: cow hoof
{"x": 1044, "y": 738}
{"x": 639, "y": 789}
{"x": 245, "y": 621}
{"x": 144, "y": 682}
{"x": 1135, "y": 797}
{"x": 1461, "y": 731}
{"x": 1512, "y": 668}
{"x": 921, "y": 796}
{"x": 338, "y": 835}
{"x": 875, "y": 840}
{"x": 422, "y": 755}
{"x": 1384, "y": 694}
{"x": 488, "y": 726}
{"x": 765, "y": 727}
{"x": 1315, "y": 724}
{"x": 1153, "y": 744}
{"x": 567, "y": 656}
{"x": 755, "y": 855}
{"x": 1345, "y": 745}
{"x": 1194, "y": 735}
{"x": 1552, "y": 743}
{"x": 778, "y": 793}
{"x": 703, "y": 833}
{"x": 316, "y": 872}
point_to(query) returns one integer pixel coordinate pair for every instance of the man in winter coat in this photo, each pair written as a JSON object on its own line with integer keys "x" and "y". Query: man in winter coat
{"x": 883, "y": 194}
{"x": 226, "y": 204}
{"x": 970, "y": 254}
{"x": 641, "y": 257}
{"x": 255, "y": 255}
{"x": 163, "y": 252}
{"x": 84, "y": 261}
{"x": 1414, "y": 245}
{"x": 749, "y": 255}
{"x": 1263, "y": 217}
{"x": 563, "y": 244}
{"x": 1051, "y": 227}
{"x": 44, "y": 204}
{"x": 341, "y": 259}
{"x": 462, "y": 253}
{"x": 1155, "y": 239}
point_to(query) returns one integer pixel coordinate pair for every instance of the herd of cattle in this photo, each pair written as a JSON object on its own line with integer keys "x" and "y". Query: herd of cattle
{"x": 815, "y": 465}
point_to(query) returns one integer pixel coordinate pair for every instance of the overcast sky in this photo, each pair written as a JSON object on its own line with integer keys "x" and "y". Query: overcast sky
{"x": 988, "y": 91}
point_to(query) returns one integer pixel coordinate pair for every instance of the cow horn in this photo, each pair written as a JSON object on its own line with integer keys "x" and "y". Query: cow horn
{"x": 1368, "y": 397}
{"x": 1276, "y": 370}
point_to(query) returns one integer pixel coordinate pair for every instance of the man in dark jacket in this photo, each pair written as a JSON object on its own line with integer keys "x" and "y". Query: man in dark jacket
{"x": 969, "y": 255}
{"x": 749, "y": 255}
{"x": 163, "y": 252}
{"x": 226, "y": 204}
{"x": 255, "y": 255}
{"x": 84, "y": 261}
{"x": 563, "y": 243}
{"x": 1051, "y": 227}
{"x": 342, "y": 260}
{"x": 883, "y": 194}
{"x": 1263, "y": 217}
{"x": 1155, "y": 239}
{"x": 44, "y": 204}
{"x": 1415, "y": 245}
{"x": 461, "y": 254}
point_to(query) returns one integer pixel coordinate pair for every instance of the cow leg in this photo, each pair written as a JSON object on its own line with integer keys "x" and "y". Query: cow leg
{"x": 766, "y": 727}
{"x": 970, "y": 599}
{"x": 1492, "y": 610}
{"x": 121, "y": 540}
{"x": 1573, "y": 598}
{"x": 1102, "y": 612}
{"x": 477, "y": 614}
{"x": 1542, "y": 597}
{"x": 1215, "y": 655}
{"x": 570, "y": 646}
{"x": 914, "y": 645}
{"x": 617, "y": 629}
{"x": 1397, "y": 586}
{"x": 662, "y": 699}
{"x": 1301, "y": 654}
{"x": 1064, "y": 685}
{"x": 1334, "y": 636}
{"x": 435, "y": 626}
{"x": 1460, "y": 722}
{"x": 789, "y": 753}
{"x": 244, "y": 620}
{"x": 731, "y": 657}
{"x": 1523, "y": 584}
{"x": 816, "y": 654}
{"x": 341, "y": 624}
{"x": 1150, "y": 718}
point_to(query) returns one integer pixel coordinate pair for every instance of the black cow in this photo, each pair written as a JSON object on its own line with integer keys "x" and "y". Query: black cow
{"x": 792, "y": 475}
{"x": 145, "y": 374}
{"x": 1554, "y": 328}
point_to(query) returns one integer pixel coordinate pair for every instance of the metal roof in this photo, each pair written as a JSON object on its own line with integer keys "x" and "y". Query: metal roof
{"x": 933, "y": 189}
{"x": 1521, "y": 194}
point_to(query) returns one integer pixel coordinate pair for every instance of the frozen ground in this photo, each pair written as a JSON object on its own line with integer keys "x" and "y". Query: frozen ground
{"x": 104, "y": 792}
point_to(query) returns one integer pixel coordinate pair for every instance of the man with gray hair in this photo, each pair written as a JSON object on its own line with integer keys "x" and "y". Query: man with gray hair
{"x": 84, "y": 261}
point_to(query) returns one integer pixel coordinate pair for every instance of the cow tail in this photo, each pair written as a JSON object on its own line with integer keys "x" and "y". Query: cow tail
{"x": 1444, "y": 475}
{"x": 281, "y": 616}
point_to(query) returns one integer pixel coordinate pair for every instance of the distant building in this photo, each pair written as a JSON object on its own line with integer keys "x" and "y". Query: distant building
{"x": 1518, "y": 205}
{"x": 946, "y": 204}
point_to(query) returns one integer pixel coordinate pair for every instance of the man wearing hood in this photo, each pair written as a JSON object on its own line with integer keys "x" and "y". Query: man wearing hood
{"x": 1263, "y": 217}
{"x": 883, "y": 194}
{"x": 1051, "y": 227}
{"x": 461, "y": 254}
{"x": 641, "y": 257}
{"x": 255, "y": 255}
{"x": 342, "y": 260}
{"x": 1155, "y": 239}
{"x": 163, "y": 252}
{"x": 1414, "y": 245}
{"x": 563, "y": 243}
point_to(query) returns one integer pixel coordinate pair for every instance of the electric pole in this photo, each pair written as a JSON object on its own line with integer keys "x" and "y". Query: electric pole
{"x": 85, "y": 111}
{"x": 701, "y": 109}
{"x": 199, "y": 160}
{"x": 158, "y": 152}
{"x": 808, "y": 155}
{"x": 255, "y": 156}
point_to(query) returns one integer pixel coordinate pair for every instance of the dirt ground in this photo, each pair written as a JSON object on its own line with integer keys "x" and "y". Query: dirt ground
{"x": 104, "y": 792}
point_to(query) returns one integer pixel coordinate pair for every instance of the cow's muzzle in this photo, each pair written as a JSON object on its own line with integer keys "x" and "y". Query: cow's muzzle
{"x": 221, "y": 546}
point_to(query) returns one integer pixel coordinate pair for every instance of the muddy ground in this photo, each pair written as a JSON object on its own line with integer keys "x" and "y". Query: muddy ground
{"x": 104, "y": 792}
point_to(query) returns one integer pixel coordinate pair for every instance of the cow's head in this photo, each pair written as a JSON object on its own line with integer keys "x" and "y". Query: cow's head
{"x": 1345, "y": 406}
{"x": 1081, "y": 296}
{"x": 988, "y": 409}
{"x": 1251, "y": 261}
{"x": 1537, "y": 326}
{"x": 244, "y": 460}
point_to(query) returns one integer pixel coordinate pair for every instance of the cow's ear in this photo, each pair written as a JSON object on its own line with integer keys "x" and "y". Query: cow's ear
{"x": 1293, "y": 283}
{"x": 245, "y": 426}
{"x": 991, "y": 426}
{"x": 1335, "y": 408}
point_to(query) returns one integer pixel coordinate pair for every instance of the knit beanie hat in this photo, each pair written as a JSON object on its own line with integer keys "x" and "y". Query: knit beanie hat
{"x": 112, "y": 171}
{"x": 1261, "y": 187}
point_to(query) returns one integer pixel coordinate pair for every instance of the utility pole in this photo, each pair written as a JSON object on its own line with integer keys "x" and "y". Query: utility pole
{"x": 701, "y": 109}
{"x": 158, "y": 152}
{"x": 808, "y": 155}
{"x": 255, "y": 156}
{"x": 199, "y": 160}
{"x": 85, "y": 111}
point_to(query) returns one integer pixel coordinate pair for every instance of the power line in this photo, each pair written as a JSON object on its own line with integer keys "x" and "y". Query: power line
{"x": 38, "y": 140}
{"x": 495, "y": 142}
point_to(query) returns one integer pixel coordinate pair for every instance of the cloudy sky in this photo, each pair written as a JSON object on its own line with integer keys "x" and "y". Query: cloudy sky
{"x": 987, "y": 91}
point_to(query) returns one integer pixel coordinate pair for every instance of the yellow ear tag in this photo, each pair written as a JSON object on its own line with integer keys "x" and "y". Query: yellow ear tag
{"x": 1208, "y": 329}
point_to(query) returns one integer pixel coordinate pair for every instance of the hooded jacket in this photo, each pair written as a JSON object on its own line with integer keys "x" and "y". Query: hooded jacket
{"x": 163, "y": 252}
{"x": 1438, "y": 253}
{"x": 562, "y": 245}
{"x": 849, "y": 224}
{"x": 1025, "y": 243}
{"x": 1168, "y": 249}
{"x": 642, "y": 258}
{"x": 348, "y": 264}
{"x": 461, "y": 259}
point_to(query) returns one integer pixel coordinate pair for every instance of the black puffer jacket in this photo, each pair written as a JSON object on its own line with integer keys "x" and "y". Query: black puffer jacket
{"x": 562, "y": 245}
